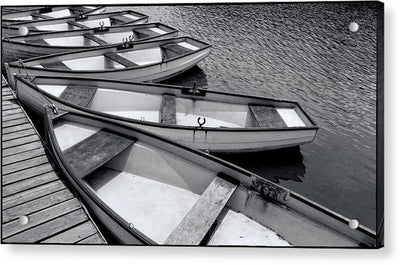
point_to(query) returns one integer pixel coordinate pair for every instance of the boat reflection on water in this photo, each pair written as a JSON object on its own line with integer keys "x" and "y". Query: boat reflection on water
{"x": 194, "y": 74}
{"x": 275, "y": 165}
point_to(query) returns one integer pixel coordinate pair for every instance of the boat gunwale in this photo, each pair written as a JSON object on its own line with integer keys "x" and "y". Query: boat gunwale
{"x": 173, "y": 40}
{"x": 174, "y": 126}
{"x": 38, "y": 10}
{"x": 318, "y": 208}
{"x": 16, "y": 25}
{"x": 11, "y": 39}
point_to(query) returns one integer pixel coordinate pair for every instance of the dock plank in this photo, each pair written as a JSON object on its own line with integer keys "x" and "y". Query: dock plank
{"x": 19, "y": 134}
{"x": 20, "y": 141}
{"x": 22, "y": 148}
{"x": 195, "y": 225}
{"x": 36, "y": 205}
{"x": 16, "y": 128}
{"x": 32, "y": 187}
{"x": 29, "y": 183}
{"x": 14, "y": 122}
{"x": 22, "y": 165}
{"x": 13, "y": 116}
{"x": 92, "y": 240}
{"x": 31, "y": 194}
{"x": 11, "y": 111}
{"x": 23, "y": 156}
{"x": 27, "y": 173}
{"x": 73, "y": 235}
{"x": 46, "y": 229}
{"x": 10, "y": 106}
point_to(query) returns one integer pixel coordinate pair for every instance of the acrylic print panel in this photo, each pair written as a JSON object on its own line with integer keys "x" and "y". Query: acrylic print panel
{"x": 311, "y": 71}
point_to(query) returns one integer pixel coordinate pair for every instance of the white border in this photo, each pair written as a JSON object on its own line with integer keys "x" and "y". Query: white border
{"x": 25, "y": 254}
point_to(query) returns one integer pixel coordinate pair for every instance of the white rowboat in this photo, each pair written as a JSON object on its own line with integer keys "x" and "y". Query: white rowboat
{"x": 200, "y": 119}
{"x": 148, "y": 190}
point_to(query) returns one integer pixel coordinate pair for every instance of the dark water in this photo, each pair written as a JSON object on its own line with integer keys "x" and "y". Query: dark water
{"x": 302, "y": 52}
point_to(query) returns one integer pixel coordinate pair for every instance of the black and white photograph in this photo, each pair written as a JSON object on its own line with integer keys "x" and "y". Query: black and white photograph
{"x": 200, "y": 124}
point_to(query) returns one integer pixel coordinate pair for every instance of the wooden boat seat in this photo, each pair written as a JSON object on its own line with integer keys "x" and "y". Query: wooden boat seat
{"x": 198, "y": 221}
{"x": 144, "y": 33}
{"x": 55, "y": 65}
{"x": 93, "y": 152}
{"x": 79, "y": 9}
{"x": 78, "y": 95}
{"x": 119, "y": 59}
{"x": 76, "y": 24}
{"x": 37, "y": 41}
{"x": 95, "y": 39}
{"x": 168, "y": 109}
{"x": 120, "y": 19}
{"x": 41, "y": 16}
{"x": 267, "y": 117}
{"x": 173, "y": 50}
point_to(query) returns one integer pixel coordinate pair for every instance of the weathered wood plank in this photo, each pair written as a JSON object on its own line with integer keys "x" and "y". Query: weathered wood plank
{"x": 55, "y": 65}
{"x": 168, "y": 109}
{"x": 76, "y": 24}
{"x": 267, "y": 117}
{"x": 29, "y": 183}
{"x": 36, "y": 205}
{"x": 93, "y": 152}
{"x": 195, "y": 225}
{"x": 95, "y": 39}
{"x": 10, "y": 106}
{"x": 93, "y": 240}
{"x": 22, "y": 148}
{"x": 29, "y": 163}
{"x": 119, "y": 59}
{"x": 73, "y": 235}
{"x": 27, "y": 173}
{"x": 23, "y": 156}
{"x": 13, "y": 116}
{"x": 17, "y": 128}
{"x": 78, "y": 95}
{"x": 19, "y": 134}
{"x": 20, "y": 141}
{"x": 4, "y": 98}
{"x": 37, "y": 41}
{"x": 15, "y": 122}
{"x": 6, "y": 93}
{"x": 41, "y": 225}
{"x": 11, "y": 111}
{"x": 32, "y": 194}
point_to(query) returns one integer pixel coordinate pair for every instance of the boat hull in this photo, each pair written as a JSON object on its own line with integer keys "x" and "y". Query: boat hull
{"x": 155, "y": 72}
{"x": 223, "y": 141}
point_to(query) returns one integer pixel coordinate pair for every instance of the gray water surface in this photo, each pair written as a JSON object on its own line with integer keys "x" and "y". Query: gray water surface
{"x": 306, "y": 53}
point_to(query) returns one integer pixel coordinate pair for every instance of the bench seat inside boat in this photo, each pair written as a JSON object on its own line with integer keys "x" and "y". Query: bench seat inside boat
{"x": 78, "y": 95}
{"x": 272, "y": 117}
{"x": 93, "y": 152}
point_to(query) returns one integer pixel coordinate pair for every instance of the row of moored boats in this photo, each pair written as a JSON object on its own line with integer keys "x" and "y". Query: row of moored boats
{"x": 137, "y": 152}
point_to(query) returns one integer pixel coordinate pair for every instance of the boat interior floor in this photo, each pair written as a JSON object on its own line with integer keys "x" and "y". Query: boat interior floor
{"x": 172, "y": 110}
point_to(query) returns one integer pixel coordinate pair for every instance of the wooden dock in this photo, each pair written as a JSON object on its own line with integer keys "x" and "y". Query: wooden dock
{"x": 37, "y": 207}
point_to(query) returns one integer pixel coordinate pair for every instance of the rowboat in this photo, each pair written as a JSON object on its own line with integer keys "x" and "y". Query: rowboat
{"x": 149, "y": 190}
{"x": 13, "y": 9}
{"x": 148, "y": 60}
{"x": 82, "y": 21}
{"x": 47, "y": 12}
{"x": 39, "y": 44}
{"x": 200, "y": 119}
